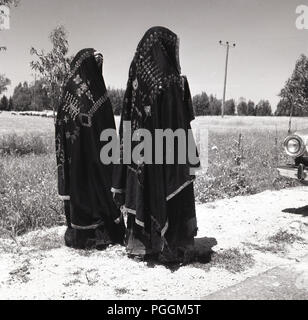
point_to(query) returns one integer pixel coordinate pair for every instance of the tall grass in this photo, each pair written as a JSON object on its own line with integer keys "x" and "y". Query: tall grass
{"x": 28, "y": 194}
{"x": 28, "y": 179}
{"x": 242, "y": 166}
{"x": 31, "y": 143}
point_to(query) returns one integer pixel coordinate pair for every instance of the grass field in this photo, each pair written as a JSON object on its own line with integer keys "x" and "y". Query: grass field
{"x": 238, "y": 165}
{"x": 249, "y": 123}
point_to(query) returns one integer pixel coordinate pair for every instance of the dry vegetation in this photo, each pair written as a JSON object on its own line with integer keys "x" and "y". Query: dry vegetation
{"x": 243, "y": 155}
{"x": 241, "y": 164}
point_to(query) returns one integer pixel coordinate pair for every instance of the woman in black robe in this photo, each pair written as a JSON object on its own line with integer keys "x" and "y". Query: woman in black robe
{"x": 158, "y": 199}
{"x": 84, "y": 182}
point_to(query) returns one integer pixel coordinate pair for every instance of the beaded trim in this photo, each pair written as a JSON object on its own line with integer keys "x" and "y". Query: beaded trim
{"x": 78, "y": 64}
{"x": 146, "y": 68}
{"x": 71, "y": 105}
{"x": 166, "y": 83}
{"x": 155, "y": 37}
{"x": 88, "y": 116}
{"x": 98, "y": 103}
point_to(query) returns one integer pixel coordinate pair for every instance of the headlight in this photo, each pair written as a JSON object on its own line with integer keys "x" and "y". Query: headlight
{"x": 294, "y": 146}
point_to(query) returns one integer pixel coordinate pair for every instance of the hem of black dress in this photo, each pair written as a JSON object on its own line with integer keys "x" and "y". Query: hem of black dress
{"x": 141, "y": 224}
{"x": 91, "y": 227}
{"x": 134, "y": 212}
{"x": 194, "y": 170}
{"x": 64, "y": 198}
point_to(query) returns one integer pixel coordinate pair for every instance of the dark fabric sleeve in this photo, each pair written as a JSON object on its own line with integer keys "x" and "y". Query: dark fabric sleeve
{"x": 188, "y": 100}
{"x": 62, "y": 159}
{"x": 177, "y": 113}
{"x": 191, "y": 116}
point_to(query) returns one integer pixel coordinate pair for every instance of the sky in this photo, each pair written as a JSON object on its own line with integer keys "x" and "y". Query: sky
{"x": 267, "y": 40}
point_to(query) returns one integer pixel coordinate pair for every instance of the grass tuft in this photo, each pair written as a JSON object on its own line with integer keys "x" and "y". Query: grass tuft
{"x": 285, "y": 237}
{"x": 277, "y": 244}
{"x": 44, "y": 242}
{"x": 121, "y": 291}
{"x": 232, "y": 260}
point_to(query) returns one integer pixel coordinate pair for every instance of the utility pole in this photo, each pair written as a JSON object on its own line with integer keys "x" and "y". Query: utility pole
{"x": 227, "y": 45}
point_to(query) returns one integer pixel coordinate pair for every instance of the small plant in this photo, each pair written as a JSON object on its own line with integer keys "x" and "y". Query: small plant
{"x": 45, "y": 242}
{"x": 277, "y": 244}
{"x": 22, "y": 273}
{"x": 92, "y": 277}
{"x": 284, "y": 237}
{"x": 121, "y": 291}
{"x": 232, "y": 260}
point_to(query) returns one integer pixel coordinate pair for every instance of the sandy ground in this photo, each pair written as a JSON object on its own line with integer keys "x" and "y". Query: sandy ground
{"x": 39, "y": 266}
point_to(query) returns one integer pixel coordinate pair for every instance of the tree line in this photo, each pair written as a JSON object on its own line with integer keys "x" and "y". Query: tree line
{"x": 52, "y": 68}
{"x": 34, "y": 97}
{"x": 205, "y": 105}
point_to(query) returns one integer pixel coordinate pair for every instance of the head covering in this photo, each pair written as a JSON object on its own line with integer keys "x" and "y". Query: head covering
{"x": 157, "y": 97}
{"x": 84, "y": 112}
{"x": 156, "y": 63}
{"x": 85, "y": 88}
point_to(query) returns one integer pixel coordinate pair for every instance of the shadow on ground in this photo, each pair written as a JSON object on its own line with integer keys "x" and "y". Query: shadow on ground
{"x": 303, "y": 211}
{"x": 203, "y": 247}
{"x": 201, "y": 254}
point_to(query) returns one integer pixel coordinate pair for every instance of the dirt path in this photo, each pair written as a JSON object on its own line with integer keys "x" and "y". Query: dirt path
{"x": 253, "y": 234}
